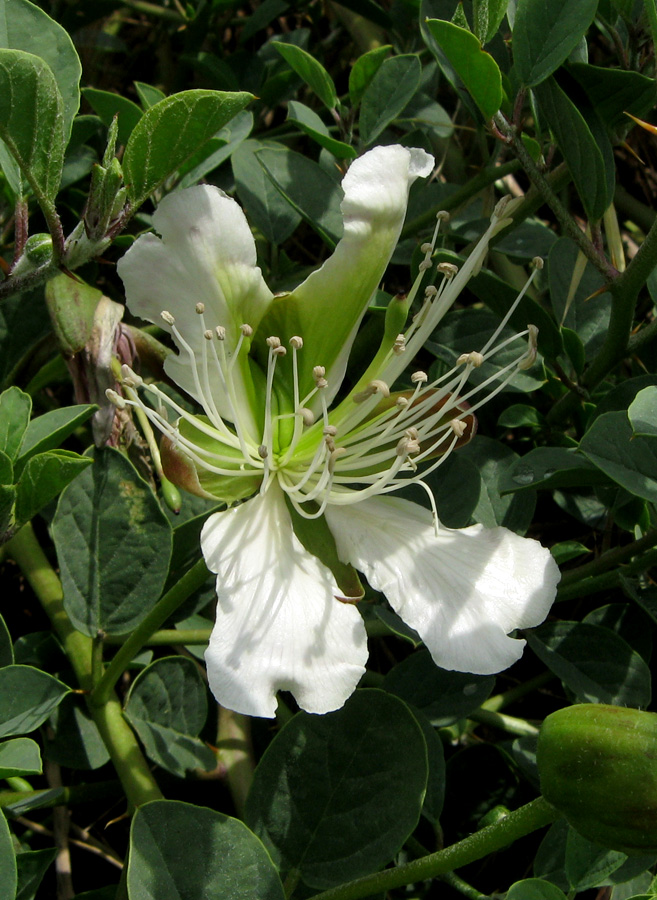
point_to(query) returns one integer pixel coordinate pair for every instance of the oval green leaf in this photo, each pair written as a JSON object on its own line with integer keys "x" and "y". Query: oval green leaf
{"x": 390, "y": 89}
{"x": 27, "y": 698}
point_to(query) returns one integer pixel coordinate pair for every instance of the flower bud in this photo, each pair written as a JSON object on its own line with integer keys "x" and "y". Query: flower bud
{"x": 598, "y": 766}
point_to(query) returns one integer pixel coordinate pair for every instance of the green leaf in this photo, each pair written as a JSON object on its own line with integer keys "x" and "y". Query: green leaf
{"x": 113, "y": 545}
{"x": 20, "y": 756}
{"x": 544, "y": 34}
{"x": 76, "y": 742}
{"x": 588, "y": 864}
{"x": 43, "y": 479}
{"x": 534, "y": 889}
{"x": 148, "y": 95}
{"x": 217, "y": 150}
{"x": 170, "y": 132}
{"x": 27, "y": 697}
{"x": 31, "y": 867}
{"x": 311, "y": 71}
{"x": 582, "y": 153}
{"x": 477, "y": 69}
{"x": 443, "y": 697}
{"x": 564, "y": 551}
{"x": 336, "y": 796}
{"x": 167, "y": 707}
{"x": 363, "y": 71}
{"x": 642, "y": 413}
{"x": 267, "y": 209}
{"x": 595, "y": 663}
{"x": 389, "y": 91}
{"x": 308, "y": 189}
{"x": 613, "y": 92}
{"x": 488, "y": 15}
{"x": 32, "y": 121}
{"x": 107, "y": 105}
{"x": 47, "y": 432}
{"x": 8, "y": 877}
{"x": 15, "y": 411}
{"x": 7, "y": 518}
{"x": 493, "y": 461}
{"x": 23, "y": 26}
{"x": 629, "y": 460}
{"x": 311, "y": 124}
{"x": 6, "y": 648}
{"x": 221, "y": 857}
{"x": 551, "y": 467}
{"x": 24, "y": 321}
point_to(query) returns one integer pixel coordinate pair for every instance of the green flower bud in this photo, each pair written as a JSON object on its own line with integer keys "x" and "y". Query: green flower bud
{"x": 36, "y": 253}
{"x": 598, "y": 766}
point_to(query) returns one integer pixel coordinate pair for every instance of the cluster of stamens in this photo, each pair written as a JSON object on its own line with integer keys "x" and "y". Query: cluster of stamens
{"x": 371, "y": 443}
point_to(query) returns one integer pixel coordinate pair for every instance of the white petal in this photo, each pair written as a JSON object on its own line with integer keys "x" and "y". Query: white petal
{"x": 279, "y": 625}
{"x": 206, "y": 254}
{"x": 374, "y": 207}
{"x": 462, "y": 591}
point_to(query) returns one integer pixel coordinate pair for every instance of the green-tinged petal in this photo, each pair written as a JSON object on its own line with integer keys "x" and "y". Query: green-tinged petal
{"x": 205, "y": 255}
{"x": 326, "y": 309}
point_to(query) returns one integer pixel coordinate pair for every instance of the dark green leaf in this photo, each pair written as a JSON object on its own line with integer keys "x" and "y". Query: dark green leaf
{"x": 167, "y": 707}
{"x": 43, "y": 479}
{"x": 336, "y": 796}
{"x": 15, "y": 410}
{"x": 170, "y": 132}
{"x": 551, "y": 467}
{"x": 6, "y": 649}
{"x": 629, "y": 460}
{"x": 113, "y": 545}
{"x": 266, "y": 208}
{"x": 595, "y": 663}
{"x": 307, "y": 188}
{"x": 20, "y": 756}
{"x": 8, "y": 877}
{"x": 642, "y": 412}
{"x": 7, "y": 517}
{"x": 148, "y": 95}
{"x": 477, "y": 69}
{"x": 32, "y": 121}
{"x": 27, "y": 698}
{"x": 218, "y": 149}
{"x": 583, "y": 156}
{"x": 389, "y": 91}
{"x": 363, "y": 71}
{"x": 613, "y": 92}
{"x": 76, "y": 742}
{"x": 587, "y": 864}
{"x": 444, "y": 697}
{"x": 534, "y": 889}
{"x": 311, "y": 124}
{"x": 488, "y": 15}
{"x": 49, "y": 430}
{"x": 23, "y": 26}
{"x": 108, "y": 105}
{"x": 544, "y": 34}
{"x": 221, "y": 858}
{"x": 493, "y": 462}
{"x": 311, "y": 71}
{"x": 24, "y": 321}
{"x": 31, "y": 867}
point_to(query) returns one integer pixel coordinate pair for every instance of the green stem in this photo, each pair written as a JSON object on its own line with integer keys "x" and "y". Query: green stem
{"x": 607, "y": 580}
{"x": 610, "y": 559}
{"x": 236, "y": 755}
{"x": 174, "y": 598}
{"x": 499, "y": 701}
{"x": 129, "y": 762}
{"x": 531, "y": 817}
{"x": 511, "y": 724}
{"x": 169, "y": 637}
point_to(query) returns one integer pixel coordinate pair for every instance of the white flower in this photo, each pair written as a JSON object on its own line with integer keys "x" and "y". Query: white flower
{"x": 314, "y": 478}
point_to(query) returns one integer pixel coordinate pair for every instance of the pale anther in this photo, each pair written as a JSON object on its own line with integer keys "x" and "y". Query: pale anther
{"x": 208, "y": 334}
{"x": 246, "y": 330}
{"x": 273, "y": 342}
{"x": 200, "y": 308}
{"x": 401, "y": 402}
{"x": 431, "y": 290}
{"x": 442, "y": 215}
{"x": 130, "y": 377}
{"x": 263, "y": 453}
{"x": 167, "y": 317}
{"x": 296, "y": 342}
{"x": 330, "y": 431}
{"x": 538, "y": 262}
{"x": 220, "y": 331}
{"x": 115, "y": 398}
{"x": 374, "y": 387}
{"x": 458, "y": 426}
{"x": 405, "y": 446}
{"x": 419, "y": 378}
{"x": 424, "y": 265}
{"x": 335, "y": 453}
{"x": 330, "y": 444}
{"x": 530, "y": 359}
{"x": 426, "y": 248}
{"x": 319, "y": 371}
{"x": 473, "y": 359}
{"x": 307, "y": 415}
{"x": 279, "y": 351}
{"x": 449, "y": 270}
{"x": 400, "y": 344}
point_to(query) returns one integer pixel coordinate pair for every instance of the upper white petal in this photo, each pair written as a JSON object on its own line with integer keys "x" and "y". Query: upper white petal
{"x": 205, "y": 254}
{"x": 462, "y": 591}
{"x": 279, "y": 625}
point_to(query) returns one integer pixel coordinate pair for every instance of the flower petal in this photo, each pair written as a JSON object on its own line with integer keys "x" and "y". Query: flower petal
{"x": 279, "y": 625}
{"x": 337, "y": 294}
{"x": 462, "y": 591}
{"x": 206, "y": 254}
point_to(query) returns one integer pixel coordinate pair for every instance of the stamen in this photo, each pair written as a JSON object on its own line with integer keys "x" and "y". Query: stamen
{"x": 400, "y": 344}
{"x": 449, "y": 270}
{"x": 200, "y": 308}
{"x": 208, "y": 334}
{"x": 377, "y": 386}
{"x": 419, "y": 378}
{"x": 532, "y": 351}
{"x": 167, "y": 317}
{"x": 458, "y": 426}
{"x": 220, "y": 331}
{"x": 116, "y": 399}
{"x": 296, "y": 342}
{"x": 474, "y": 358}
{"x": 306, "y": 415}
{"x": 246, "y": 330}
